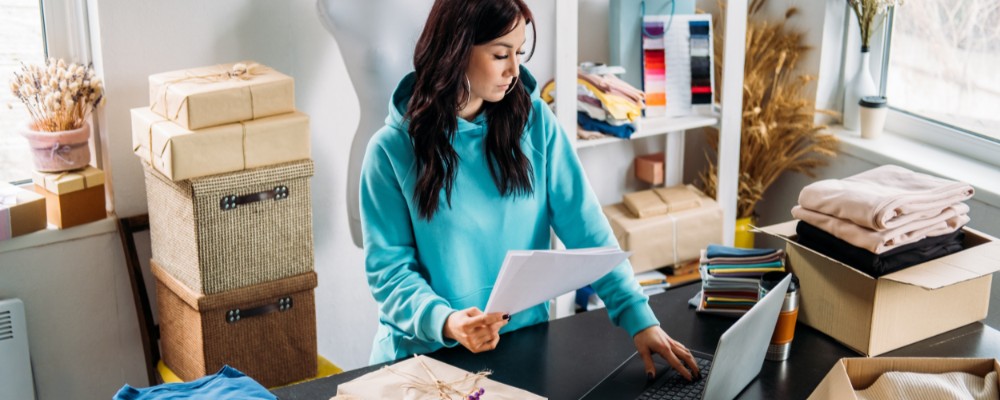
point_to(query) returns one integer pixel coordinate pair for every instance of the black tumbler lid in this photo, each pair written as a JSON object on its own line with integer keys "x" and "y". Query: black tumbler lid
{"x": 771, "y": 279}
{"x": 873, "y": 102}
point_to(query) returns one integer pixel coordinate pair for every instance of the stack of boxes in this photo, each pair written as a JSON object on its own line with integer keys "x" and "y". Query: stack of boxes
{"x": 227, "y": 167}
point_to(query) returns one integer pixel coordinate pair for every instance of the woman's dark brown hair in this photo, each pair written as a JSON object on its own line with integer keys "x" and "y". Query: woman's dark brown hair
{"x": 441, "y": 59}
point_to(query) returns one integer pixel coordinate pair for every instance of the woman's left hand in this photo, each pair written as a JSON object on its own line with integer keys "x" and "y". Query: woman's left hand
{"x": 654, "y": 340}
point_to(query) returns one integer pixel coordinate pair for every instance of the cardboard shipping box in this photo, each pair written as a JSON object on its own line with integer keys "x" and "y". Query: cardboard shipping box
{"x": 874, "y": 316}
{"x": 851, "y": 374}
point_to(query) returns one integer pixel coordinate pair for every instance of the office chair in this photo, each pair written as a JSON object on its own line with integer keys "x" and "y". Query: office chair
{"x": 156, "y": 371}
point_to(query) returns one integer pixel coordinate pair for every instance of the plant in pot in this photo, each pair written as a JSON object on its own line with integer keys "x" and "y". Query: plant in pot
{"x": 59, "y": 98}
{"x": 778, "y": 129}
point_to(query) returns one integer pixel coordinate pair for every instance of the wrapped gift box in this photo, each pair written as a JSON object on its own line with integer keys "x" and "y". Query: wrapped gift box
{"x": 267, "y": 331}
{"x": 233, "y": 230}
{"x": 72, "y": 198}
{"x": 418, "y": 378}
{"x": 667, "y": 239}
{"x": 21, "y": 211}
{"x": 659, "y": 201}
{"x": 181, "y": 154}
{"x": 209, "y": 96}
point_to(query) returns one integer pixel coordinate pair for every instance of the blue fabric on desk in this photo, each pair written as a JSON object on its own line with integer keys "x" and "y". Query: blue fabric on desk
{"x": 586, "y": 123}
{"x": 228, "y": 383}
{"x": 716, "y": 250}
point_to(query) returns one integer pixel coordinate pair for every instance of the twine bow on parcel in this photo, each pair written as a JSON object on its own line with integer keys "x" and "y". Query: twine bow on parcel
{"x": 238, "y": 72}
{"x": 434, "y": 387}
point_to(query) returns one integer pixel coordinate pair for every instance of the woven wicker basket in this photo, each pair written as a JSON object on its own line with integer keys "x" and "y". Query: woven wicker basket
{"x": 267, "y": 331}
{"x": 233, "y": 230}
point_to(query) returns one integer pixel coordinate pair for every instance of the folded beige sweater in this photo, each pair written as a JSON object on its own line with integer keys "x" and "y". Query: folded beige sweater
{"x": 883, "y": 198}
{"x": 895, "y": 385}
{"x": 878, "y": 242}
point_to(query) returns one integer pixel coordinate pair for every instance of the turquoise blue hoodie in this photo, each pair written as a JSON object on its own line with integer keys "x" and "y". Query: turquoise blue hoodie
{"x": 421, "y": 271}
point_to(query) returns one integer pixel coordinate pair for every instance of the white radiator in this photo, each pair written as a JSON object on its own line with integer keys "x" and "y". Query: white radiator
{"x": 16, "y": 382}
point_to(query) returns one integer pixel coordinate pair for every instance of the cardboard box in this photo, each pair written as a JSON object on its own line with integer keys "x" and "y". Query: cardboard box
{"x": 659, "y": 201}
{"x": 649, "y": 168}
{"x": 209, "y": 96}
{"x": 180, "y": 154}
{"x": 667, "y": 239}
{"x": 21, "y": 211}
{"x": 267, "y": 331}
{"x": 72, "y": 198}
{"x": 874, "y": 316}
{"x": 851, "y": 374}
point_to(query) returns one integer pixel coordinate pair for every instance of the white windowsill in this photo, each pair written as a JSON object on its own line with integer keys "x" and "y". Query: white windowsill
{"x": 52, "y": 236}
{"x": 896, "y": 149}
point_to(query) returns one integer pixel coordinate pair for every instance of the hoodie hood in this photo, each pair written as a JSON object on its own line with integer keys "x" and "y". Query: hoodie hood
{"x": 401, "y": 98}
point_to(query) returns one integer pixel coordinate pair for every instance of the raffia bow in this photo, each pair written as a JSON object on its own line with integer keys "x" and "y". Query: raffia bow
{"x": 239, "y": 72}
{"x": 444, "y": 390}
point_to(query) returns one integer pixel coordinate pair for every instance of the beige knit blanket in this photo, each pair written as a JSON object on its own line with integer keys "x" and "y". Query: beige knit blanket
{"x": 918, "y": 386}
{"x": 882, "y": 198}
{"x": 878, "y": 242}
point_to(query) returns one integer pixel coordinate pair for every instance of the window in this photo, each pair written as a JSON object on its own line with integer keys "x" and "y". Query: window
{"x": 941, "y": 72}
{"x": 21, "y": 39}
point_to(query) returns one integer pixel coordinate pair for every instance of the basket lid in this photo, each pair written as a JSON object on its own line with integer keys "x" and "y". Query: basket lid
{"x": 207, "y": 302}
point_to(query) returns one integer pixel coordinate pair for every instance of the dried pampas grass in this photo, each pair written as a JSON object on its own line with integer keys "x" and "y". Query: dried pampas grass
{"x": 778, "y": 132}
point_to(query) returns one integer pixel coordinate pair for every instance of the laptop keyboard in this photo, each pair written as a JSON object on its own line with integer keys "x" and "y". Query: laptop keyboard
{"x": 673, "y": 386}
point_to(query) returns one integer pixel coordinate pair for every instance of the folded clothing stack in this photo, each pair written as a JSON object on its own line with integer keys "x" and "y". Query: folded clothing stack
{"x": 884, "y": 219}
{"x": 731, "y": 276}
{"x": 606, "y": 105}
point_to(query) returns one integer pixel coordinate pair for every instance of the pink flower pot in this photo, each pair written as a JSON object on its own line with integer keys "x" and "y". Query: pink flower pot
{"x": 59, "y": 151}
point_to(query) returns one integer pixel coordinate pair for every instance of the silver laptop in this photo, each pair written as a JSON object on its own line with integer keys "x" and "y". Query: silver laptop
{"x": 737, "y": 361}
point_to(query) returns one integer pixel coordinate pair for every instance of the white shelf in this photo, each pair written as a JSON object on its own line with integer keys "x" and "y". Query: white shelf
{"x": 646, "y": 127}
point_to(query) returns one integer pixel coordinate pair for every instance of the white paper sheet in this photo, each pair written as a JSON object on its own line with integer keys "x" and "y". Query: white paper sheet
{"x": 530, "y": 277}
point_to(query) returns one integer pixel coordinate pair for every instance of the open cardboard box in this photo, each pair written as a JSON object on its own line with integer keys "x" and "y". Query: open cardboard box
{"x": 852, "y": 374}
{"x": 874, "y": 316}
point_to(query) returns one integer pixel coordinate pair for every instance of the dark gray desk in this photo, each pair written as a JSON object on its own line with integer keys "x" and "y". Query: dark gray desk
{"x": 564, "y": 358}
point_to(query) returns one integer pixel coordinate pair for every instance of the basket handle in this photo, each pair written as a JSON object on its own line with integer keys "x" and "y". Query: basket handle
{"x": 232, "y": 201}
{"x": 234, "y": 315}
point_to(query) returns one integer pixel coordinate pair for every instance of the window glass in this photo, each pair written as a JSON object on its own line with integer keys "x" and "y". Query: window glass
{"x": 943, "y": 63}
{"x": 21, "y": 40}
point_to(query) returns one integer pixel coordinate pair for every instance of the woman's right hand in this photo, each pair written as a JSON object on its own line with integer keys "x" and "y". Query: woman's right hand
{"x": 476, "y": 331}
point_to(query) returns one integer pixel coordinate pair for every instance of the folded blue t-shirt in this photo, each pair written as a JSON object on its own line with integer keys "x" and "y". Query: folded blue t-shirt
{"x": 717, "y": 250}
{"x": 228, "y": 383}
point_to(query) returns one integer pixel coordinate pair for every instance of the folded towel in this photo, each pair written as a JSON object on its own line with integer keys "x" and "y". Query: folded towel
{"x": 878, "y": 242}
{"x": 919, "y": 386}
{"x": 883, "y": 198}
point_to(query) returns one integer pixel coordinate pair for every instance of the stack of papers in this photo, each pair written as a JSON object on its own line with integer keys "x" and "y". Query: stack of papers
{"x": 531, "y": 277}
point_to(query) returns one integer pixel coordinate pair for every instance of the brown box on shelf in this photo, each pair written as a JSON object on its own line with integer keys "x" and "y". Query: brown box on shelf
{"x": 267, "y": 331}
{"x": 851, "y": 374}
{"x": 228, "y": 231}
{"x": 72, "y": 198}
{"x": 877, "y": 315}
{"x": 649, "y": 168}
{"x": 21, "y": 211}
{"x": 667, "y": 239}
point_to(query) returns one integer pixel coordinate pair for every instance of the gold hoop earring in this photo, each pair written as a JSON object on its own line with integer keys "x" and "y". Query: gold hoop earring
{"x": 468, "y": 93}
{"x": 511, "y": 88}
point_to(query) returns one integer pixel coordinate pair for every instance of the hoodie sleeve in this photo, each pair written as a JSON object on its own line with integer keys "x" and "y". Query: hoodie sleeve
{"x": 579, "y": 222}
{"x": 404, "y": 297}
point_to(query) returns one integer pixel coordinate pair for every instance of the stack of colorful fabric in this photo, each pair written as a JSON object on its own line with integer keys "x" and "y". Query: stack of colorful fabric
{"x": 606, "y": 105}
{"x": 731, "y": 276}
{"x": 884, "y": 219}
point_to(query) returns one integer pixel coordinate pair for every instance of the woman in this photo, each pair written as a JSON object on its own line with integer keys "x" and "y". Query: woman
{"x": 471, "y": 164}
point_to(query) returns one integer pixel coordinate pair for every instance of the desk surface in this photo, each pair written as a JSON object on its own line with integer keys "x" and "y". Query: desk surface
{"x": 563, "y": 359}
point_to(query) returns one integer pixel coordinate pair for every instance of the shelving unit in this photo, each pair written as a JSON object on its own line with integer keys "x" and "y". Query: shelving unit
{"x": 729, "y": 121}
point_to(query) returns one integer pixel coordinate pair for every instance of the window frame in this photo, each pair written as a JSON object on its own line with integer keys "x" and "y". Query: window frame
{"x": 926, "y": 130}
